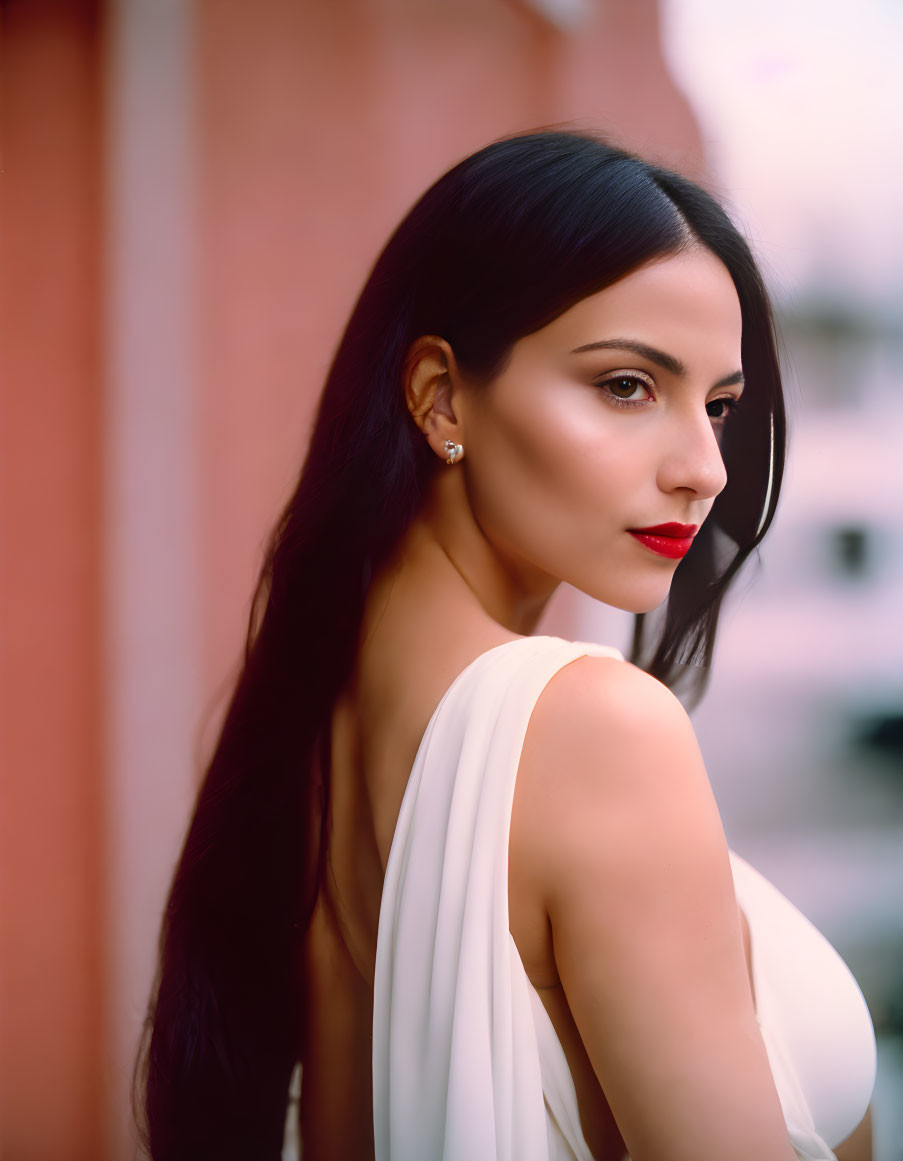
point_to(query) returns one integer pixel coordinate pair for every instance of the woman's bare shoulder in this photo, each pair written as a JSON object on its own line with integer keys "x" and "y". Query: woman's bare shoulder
{"x": 604, "y": 724}
{"x": 611, "y": 783}
{"x": 617, "y": 826}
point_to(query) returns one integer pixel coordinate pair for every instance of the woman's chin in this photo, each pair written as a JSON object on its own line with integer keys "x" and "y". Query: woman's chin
{"x": 645, "y": 601}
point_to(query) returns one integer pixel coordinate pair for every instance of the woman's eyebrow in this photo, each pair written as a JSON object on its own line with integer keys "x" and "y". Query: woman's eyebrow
{"x": 730, "y": 380}
{"x": 674, "y": 366}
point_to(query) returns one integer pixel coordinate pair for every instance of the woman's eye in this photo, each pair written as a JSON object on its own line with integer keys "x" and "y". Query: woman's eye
{"x": 720, "y": 409}
{"x": 627, "y": 389}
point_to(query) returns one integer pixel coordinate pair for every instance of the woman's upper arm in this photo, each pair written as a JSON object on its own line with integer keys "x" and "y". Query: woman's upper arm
{"x": 628, "y": 855}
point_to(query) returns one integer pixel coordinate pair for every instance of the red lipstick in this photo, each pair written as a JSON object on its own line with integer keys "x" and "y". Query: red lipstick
{"x": 672, "y": 540}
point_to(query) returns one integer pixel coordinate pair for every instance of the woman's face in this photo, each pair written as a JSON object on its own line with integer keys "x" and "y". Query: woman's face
{"x": 605, "y": 422}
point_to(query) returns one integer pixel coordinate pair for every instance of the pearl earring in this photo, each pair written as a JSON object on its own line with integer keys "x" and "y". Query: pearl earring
{"x": 453, "y": 450}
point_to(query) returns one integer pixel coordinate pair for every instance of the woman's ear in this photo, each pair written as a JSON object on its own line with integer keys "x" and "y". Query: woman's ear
{"x": 430, "y": 376}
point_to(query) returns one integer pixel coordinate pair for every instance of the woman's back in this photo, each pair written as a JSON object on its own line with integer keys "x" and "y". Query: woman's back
{"x": 374, "y": 741}
{"x": 377, "y": 727}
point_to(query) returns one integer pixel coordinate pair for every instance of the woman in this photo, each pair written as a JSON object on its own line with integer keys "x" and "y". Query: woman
{"x": 537, "y": 384}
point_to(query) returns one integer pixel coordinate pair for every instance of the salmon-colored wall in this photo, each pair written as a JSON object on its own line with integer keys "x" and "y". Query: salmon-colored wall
{"x": 53, "y": 921}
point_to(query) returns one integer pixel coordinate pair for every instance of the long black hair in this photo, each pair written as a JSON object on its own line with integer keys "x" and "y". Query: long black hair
{"x": 497, "y": 248}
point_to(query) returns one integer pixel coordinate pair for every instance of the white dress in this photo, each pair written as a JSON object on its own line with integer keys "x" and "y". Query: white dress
{"x": 466, "y": 1062}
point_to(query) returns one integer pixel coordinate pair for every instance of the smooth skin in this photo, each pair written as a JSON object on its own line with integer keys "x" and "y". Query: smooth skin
{"x": 620, "y": 892}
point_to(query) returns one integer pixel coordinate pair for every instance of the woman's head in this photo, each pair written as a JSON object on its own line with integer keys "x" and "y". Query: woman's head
{"x": 516, "y": 258}
{"x": 507, "y": 250}
{"x": 606, "y": 421}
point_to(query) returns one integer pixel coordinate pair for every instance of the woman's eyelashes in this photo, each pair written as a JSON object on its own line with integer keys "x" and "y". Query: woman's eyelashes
{"x": 622, "y": 389}
{"x": 722, "y": 408}
{"x": 628, "y": 389}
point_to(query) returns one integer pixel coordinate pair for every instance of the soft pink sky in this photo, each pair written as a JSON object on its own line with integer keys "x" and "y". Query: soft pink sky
{"x": 801, "y": 107}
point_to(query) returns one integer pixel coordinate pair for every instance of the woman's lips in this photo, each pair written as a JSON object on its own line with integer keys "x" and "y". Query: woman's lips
{"x": 672, "y": 540}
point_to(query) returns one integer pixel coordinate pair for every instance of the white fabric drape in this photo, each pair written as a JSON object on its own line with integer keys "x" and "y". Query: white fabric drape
{"x": 466, "y": 1063}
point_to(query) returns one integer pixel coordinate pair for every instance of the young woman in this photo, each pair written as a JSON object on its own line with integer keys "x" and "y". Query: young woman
{"x": 474, "y": 880}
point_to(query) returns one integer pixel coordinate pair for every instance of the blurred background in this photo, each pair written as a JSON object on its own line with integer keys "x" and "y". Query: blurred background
{"x": 191, "y": 194}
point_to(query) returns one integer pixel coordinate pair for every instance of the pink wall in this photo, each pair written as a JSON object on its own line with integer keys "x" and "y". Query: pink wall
{"x": 53, "y": 920}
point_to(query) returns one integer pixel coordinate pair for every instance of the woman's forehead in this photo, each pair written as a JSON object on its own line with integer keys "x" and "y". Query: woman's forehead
{"x": 686, "y": 301}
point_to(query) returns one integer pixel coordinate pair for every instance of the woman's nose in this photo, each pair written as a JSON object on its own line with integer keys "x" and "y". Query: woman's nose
{"x": 692, "y": 459}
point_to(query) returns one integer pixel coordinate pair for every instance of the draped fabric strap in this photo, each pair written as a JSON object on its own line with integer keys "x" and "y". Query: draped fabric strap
{"x": 466, "y": 1063}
